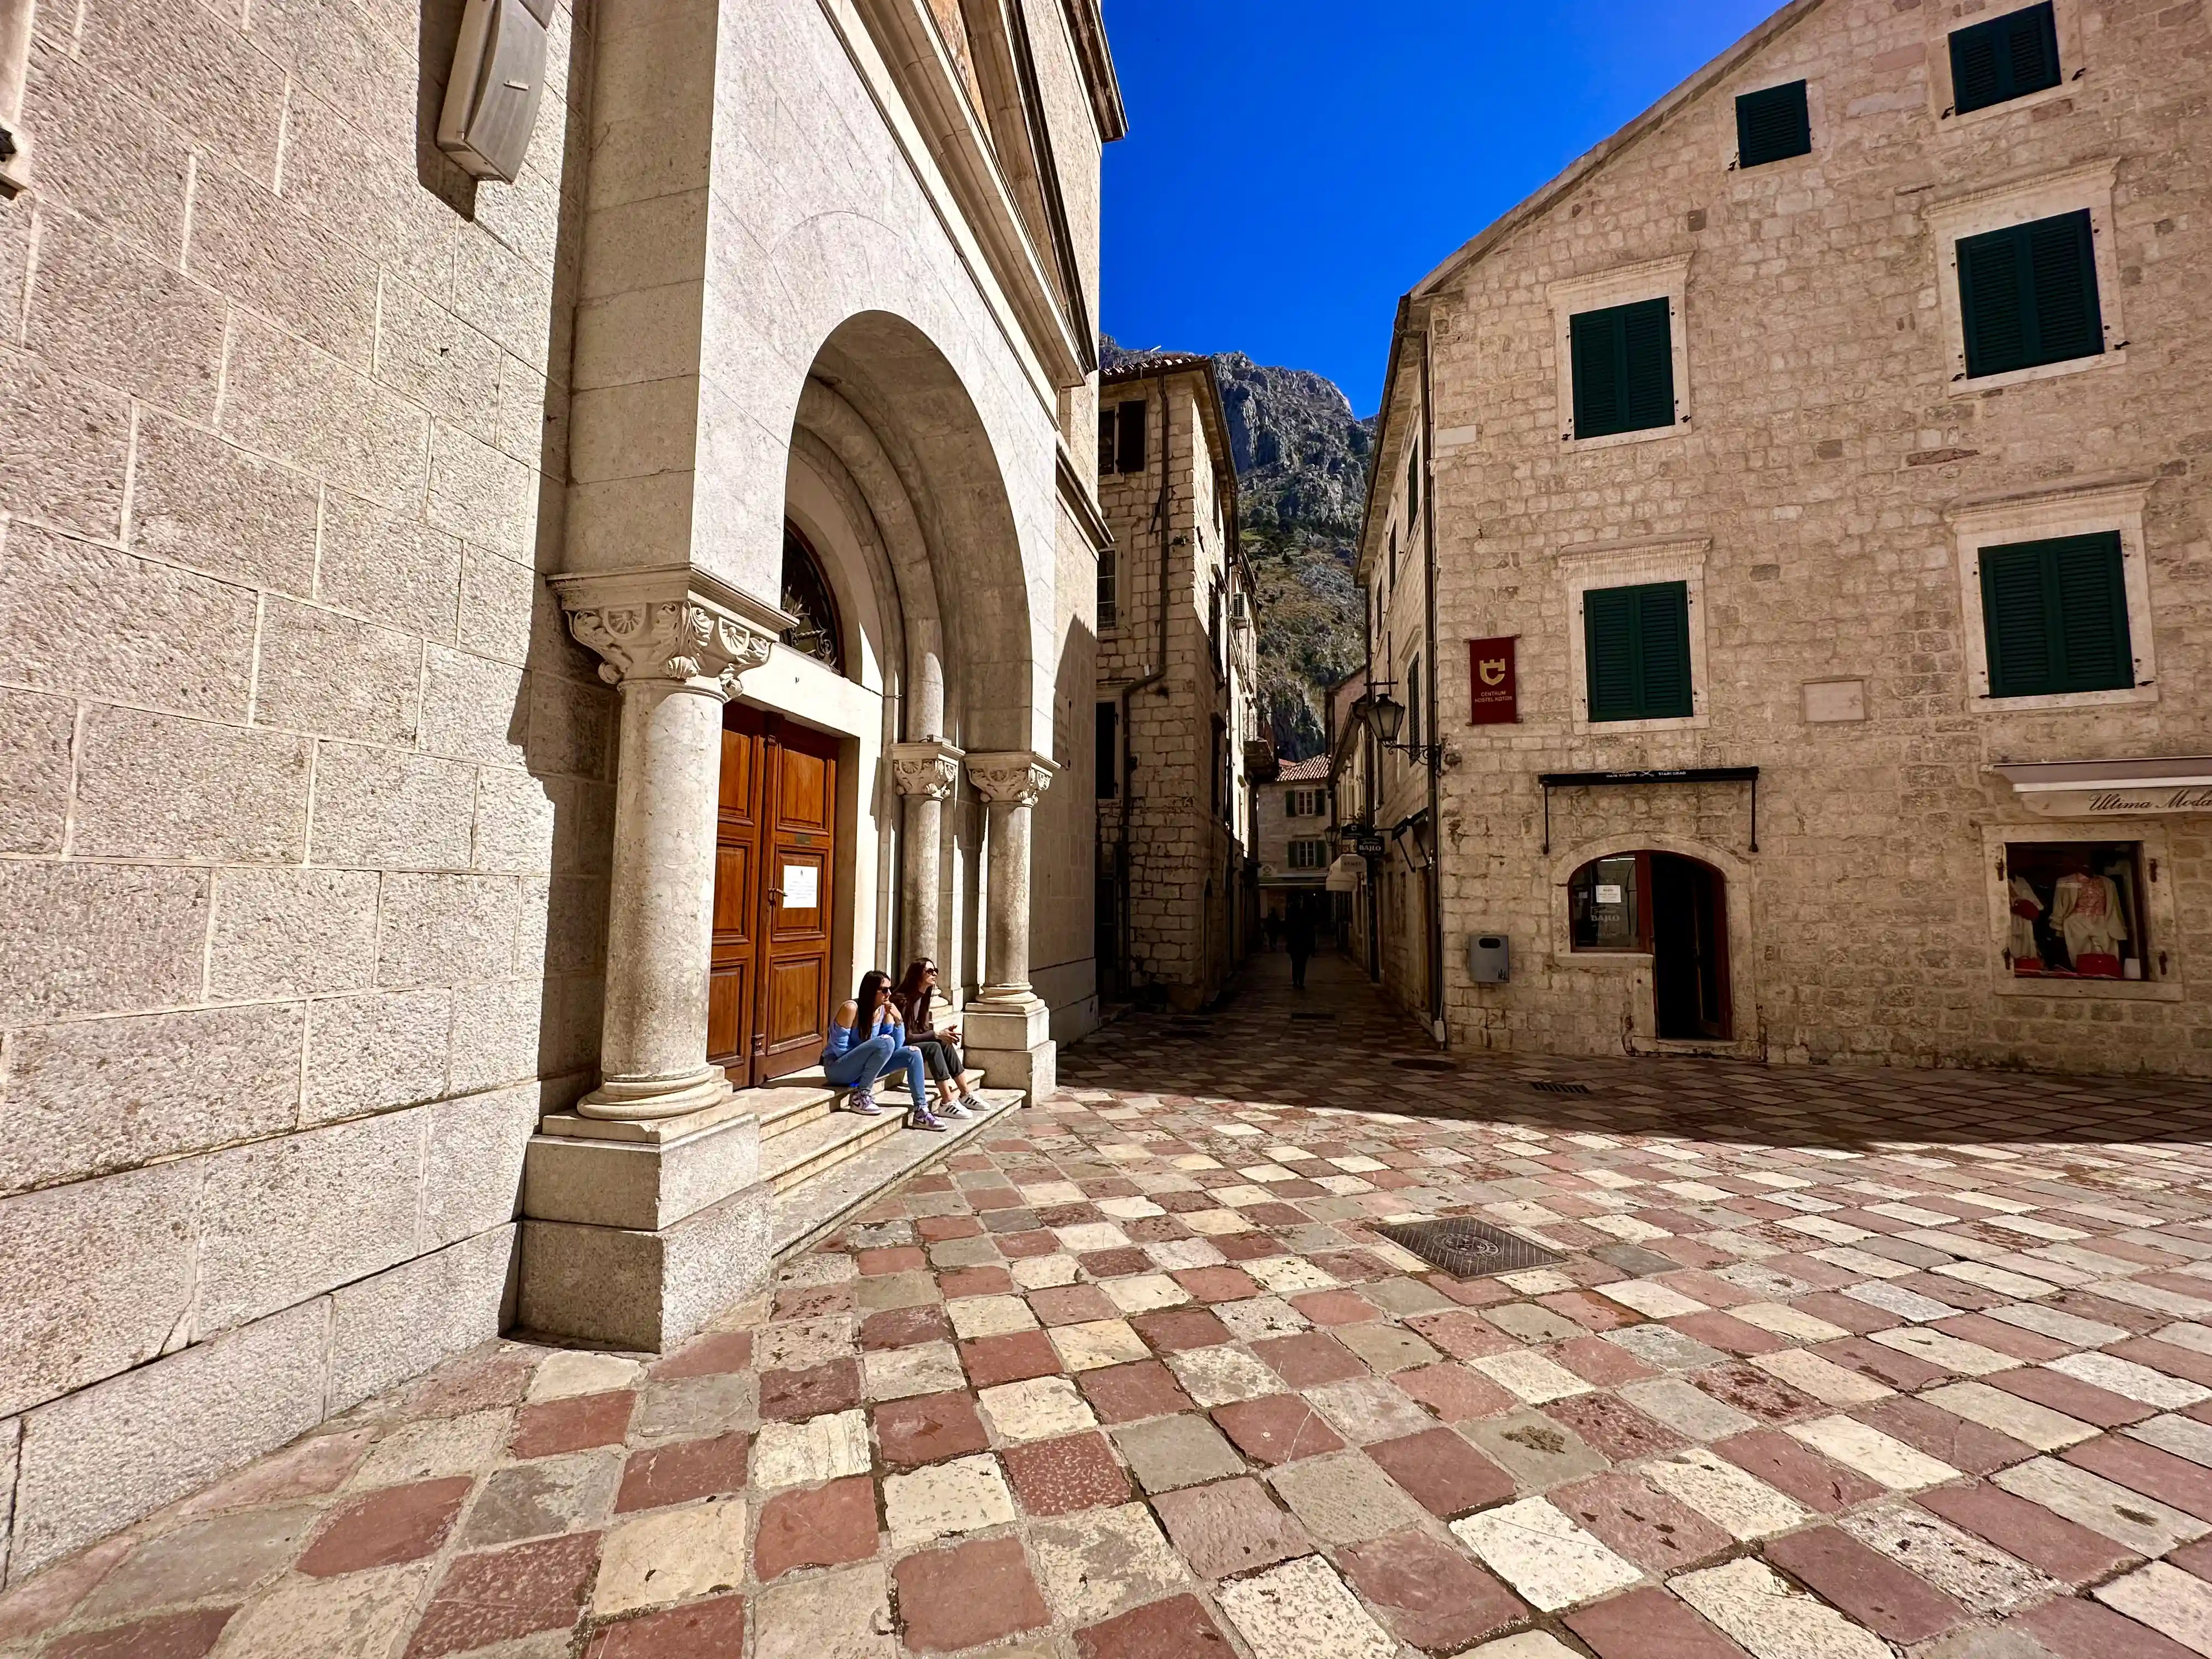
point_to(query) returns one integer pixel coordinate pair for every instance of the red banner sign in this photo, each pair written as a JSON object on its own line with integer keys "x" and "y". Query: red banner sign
{"x": 1496, "y": 685}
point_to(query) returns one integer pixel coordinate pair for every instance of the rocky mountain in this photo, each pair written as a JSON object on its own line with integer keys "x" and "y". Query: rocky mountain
{"x": 1302, "y": 458}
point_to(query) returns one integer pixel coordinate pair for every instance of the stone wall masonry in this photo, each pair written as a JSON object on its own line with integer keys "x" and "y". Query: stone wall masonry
{"x": 305, "y": 794}
{"x": 1827, "y": 442}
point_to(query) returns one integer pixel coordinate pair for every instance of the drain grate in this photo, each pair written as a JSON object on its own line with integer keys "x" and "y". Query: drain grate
{"x": 1466, "y": 1247}
{"x": 1419, "y": 1063}
{"x": 1560, "y": 1088}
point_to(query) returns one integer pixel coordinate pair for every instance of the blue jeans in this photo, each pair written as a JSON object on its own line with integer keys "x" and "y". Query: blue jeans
{"x": 860, "y": 1066}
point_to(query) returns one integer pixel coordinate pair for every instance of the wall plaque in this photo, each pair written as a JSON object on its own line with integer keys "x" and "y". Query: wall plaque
{"x": 1495, "y": 682}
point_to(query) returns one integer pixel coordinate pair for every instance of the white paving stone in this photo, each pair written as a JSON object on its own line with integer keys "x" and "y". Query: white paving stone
{"x": 2008, "y": 1413}
{"x": 1039, "y": 1409}
{"x": 1260, "y": 1315}
{"x": 2174, "y": 1603}
{"x": 989, "y": 1315}
{"x": 1746, "y": 1506}
{"x": 1544, "y": 1555}
{"x": 1530, "y": 1376}
{"x": 1688, "y": 1411}
{"x": 1528, "y": 1645}
{"x": 1878, "y": 1457}
{"x": 941, "y": 1500}
{"x": 1145, "y": 1292}
{"x": 1096, "y": 1343}
{"x": 1217, "y": 1375}
{"x": 1906, "y": 1304}
{"x": 2126, "y": 1517}
{"x": 924, "y": 1368}
{"x": 2132, "y": 1382}
{"x": 2059, "y": 1326}
{"x": 1968, "y": 1359}
{"x": 1823, "y": 1379}
{"x": 1772, "y": 1620}
{"x": 1301, "y": 1610}
{"x": 1288, "y": 1275}
{"x": 571, "y": 1372}
{"x": 1088, "y": 1235}
{"x": 820, "y": 1448}
{"x": 1652, "y": 1300}
{"x": 1038, "y": 1272}
{"x": 2185, "y": 1436}
{"x": 1971, "y": 1570}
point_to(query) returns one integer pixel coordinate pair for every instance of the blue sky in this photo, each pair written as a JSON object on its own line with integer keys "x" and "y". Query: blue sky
{"x": 1293, "y": 166}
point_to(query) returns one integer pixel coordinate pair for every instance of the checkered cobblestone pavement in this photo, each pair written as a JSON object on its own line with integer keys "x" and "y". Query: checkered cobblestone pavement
{"x": 1835, "y": 1366}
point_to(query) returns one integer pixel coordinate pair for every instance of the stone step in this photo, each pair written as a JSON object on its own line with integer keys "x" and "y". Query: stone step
{"x": 876, "y": 1159}
{"x": 821, "y": 1142}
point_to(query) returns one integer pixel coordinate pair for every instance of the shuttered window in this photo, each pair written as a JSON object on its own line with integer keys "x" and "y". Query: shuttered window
{"x": 1122, "y": 438}
{"x": 2004, "y": 59}
{"x": 1106, "y": 757}
{"x": 1624, "y": 368}
{"x": 1772, "y": 125}
{"x": 2028, "y": 295}
{"x": 1637, "y": 641}
{"x": 2055, "y": 616}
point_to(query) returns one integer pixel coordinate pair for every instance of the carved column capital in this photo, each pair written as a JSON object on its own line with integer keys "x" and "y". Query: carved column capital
{"x": 929, "y": 769}
{"x": 676, "y": 623}
{"x": 1017, "y": 777}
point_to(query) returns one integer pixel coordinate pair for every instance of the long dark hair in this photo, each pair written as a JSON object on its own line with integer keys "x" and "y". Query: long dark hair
{"x": 873, "y": 984}
{"x": 912, "y": 998}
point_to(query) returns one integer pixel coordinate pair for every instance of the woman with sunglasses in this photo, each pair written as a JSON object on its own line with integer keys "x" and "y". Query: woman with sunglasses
{"x": 867, "y": 1039}
{"x": 916, "y": 1000}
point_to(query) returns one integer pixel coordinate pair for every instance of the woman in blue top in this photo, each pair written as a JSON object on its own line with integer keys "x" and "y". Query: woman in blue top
{"x": 867, "y": 1039}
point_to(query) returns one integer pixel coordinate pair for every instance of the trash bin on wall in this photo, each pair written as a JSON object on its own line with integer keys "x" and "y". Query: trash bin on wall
{"x": 1488, "y": 959}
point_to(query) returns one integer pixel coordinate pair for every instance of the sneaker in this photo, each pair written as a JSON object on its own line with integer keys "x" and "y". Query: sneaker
{"x": 862, "y": 1101}
{"x": 922, "y": 1119}
{"x": 952, "y": 1108}
{"x": 974, "y": 1107}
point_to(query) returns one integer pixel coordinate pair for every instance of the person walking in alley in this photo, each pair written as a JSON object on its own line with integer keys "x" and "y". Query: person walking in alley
{"x": 1299, "y": 934}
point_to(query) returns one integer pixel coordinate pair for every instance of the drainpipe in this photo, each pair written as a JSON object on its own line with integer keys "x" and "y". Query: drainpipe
{"x": 1436, "y": 732}
{"x": 1158, "y": 672}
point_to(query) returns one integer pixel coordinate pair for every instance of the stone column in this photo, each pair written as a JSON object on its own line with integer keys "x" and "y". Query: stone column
{"x": 1009, "y": 1026}
{"x": 927, "y": 772}
{"x": 644, "y": 1209}
{"x": 676, "y": 652}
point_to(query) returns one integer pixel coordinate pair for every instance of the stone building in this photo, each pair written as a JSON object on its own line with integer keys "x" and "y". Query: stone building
{"x": 1175, "y": 711}
{"x": 483, "y": 665}
{"x": 1810, "y": 485}
{"x": 1295, "y": 821}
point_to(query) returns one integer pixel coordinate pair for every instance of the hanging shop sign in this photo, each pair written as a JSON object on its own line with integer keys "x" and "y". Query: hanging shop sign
{"x": 2111, "y": 789}
{"x": 1492, "y": 673}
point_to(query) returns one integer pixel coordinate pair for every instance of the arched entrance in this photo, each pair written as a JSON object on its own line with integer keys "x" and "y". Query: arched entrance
{"x": 1674, "y": 910}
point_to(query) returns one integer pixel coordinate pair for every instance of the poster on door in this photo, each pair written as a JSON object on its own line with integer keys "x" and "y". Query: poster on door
{"x": 802, "y": 887}
{"x": 1491, "y": 673}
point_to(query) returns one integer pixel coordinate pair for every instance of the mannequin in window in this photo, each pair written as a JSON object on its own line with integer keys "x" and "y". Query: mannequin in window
{"x": 2085, "y": 908}
{"x": 2027, "y": 906}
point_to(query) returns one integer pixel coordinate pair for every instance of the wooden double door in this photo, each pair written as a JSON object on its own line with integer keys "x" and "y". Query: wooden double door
{"x": 768, "y": 988}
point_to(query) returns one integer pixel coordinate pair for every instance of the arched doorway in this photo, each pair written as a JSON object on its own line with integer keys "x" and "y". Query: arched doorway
{"x": 1675, "y": 910}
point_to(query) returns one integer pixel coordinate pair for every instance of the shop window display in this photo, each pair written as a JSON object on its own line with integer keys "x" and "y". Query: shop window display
{"x": 2077, "y": 910}
{"x": 1606, "y": 906}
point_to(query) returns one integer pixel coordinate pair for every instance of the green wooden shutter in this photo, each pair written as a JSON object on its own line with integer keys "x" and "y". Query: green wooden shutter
{"x": 1600, "y": 405}
{"x": 2055, "y": 616}
{"x": 1635, "y": 641}
{"x": 2028, "y": 295}
{"x": 1105, "y": 441}
{"x": 1772, "y": 125}
{"x": 2062, "y": 260}
{"x": 1624, "y": 368}
{"x": 2004, "y": 59}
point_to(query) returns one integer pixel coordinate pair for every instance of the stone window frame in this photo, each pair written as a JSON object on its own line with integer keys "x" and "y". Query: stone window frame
{"x": 2045, "y": 518}
{"x": 1942, "y": 24}
{"x": 2001, "y": 206}
{"x": 2163, "y": 919}
{"x": 1674, "y": 561}
{"x": 1650, "y": 279}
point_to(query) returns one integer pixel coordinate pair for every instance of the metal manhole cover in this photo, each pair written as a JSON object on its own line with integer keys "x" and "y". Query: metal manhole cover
{"x": 1560, "y": 1088}
{"x": 1418, "y": 1063}
{"x": 1466, "y": 1247}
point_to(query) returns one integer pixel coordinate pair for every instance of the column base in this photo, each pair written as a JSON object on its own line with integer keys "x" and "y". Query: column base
{"x": 1010, "y": 1040}
{"x": 643, "y": 1099}
{"x": 638, "y": 1243}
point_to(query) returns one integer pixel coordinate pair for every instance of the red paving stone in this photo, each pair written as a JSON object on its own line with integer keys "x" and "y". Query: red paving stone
{"x": 1790, "y": 1466}
{"x": 1646, "y": 1525}
{"x": 704, "y": 1630}
{"x": 1279, "y": 1429}
{"x": 2069, "y": 1554}
{"x": 174, "y": 1636}
{"x": 814, "y": 1391}
{"x": 402, "y": 1523}
{"x": 928, "y": 1429}
{"x": 1230, "y": 1527}
{"x": 822, "y": 1528}
{"x": 964, "y": 1596}
{"x": 1059, "y": 1477}
{"x": 681, "y": 1473}
{"x": 1649, "y": 1624}
{"x": 1866, "y": 1585}
{"x": 1015, "y": 1357}
{"x": 1445, "y": 1475}
{"x": 1123, "y": 1393}
{"x": 571, "y": 1424}
{"x": 501, "y": 1595}
{"x": 713, "y": 1355}
{"x": 1430, "y": 1594}
{"x": 1177, "y": 1628}
{"x": 2085, "y": 1630}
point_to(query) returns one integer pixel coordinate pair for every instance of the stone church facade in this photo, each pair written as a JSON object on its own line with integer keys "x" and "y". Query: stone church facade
{"x": 483, "y": 666}
{"x": 1814, "y": 477}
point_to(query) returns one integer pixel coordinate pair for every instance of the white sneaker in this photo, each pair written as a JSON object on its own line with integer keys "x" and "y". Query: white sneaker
{"x": 952, "y": 1108}
{"x": 974, "y": 1107}
{"x": 862, "y": 1101}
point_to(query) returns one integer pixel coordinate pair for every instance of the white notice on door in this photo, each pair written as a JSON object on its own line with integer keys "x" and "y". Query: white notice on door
{"x": 802, "y": 887}
{"x": 1608, "y": 895}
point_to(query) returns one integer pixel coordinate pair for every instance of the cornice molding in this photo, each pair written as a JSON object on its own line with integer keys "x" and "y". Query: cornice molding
{"x": 674, "y": 623}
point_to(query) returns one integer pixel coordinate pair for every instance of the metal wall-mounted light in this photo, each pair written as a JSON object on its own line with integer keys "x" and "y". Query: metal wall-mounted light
{"x": 1385, "y": 716}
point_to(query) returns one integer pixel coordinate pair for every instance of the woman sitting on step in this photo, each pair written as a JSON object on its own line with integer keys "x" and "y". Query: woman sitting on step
{"x": 916, "y": 1000}
{"x": 853, "y": 1060}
